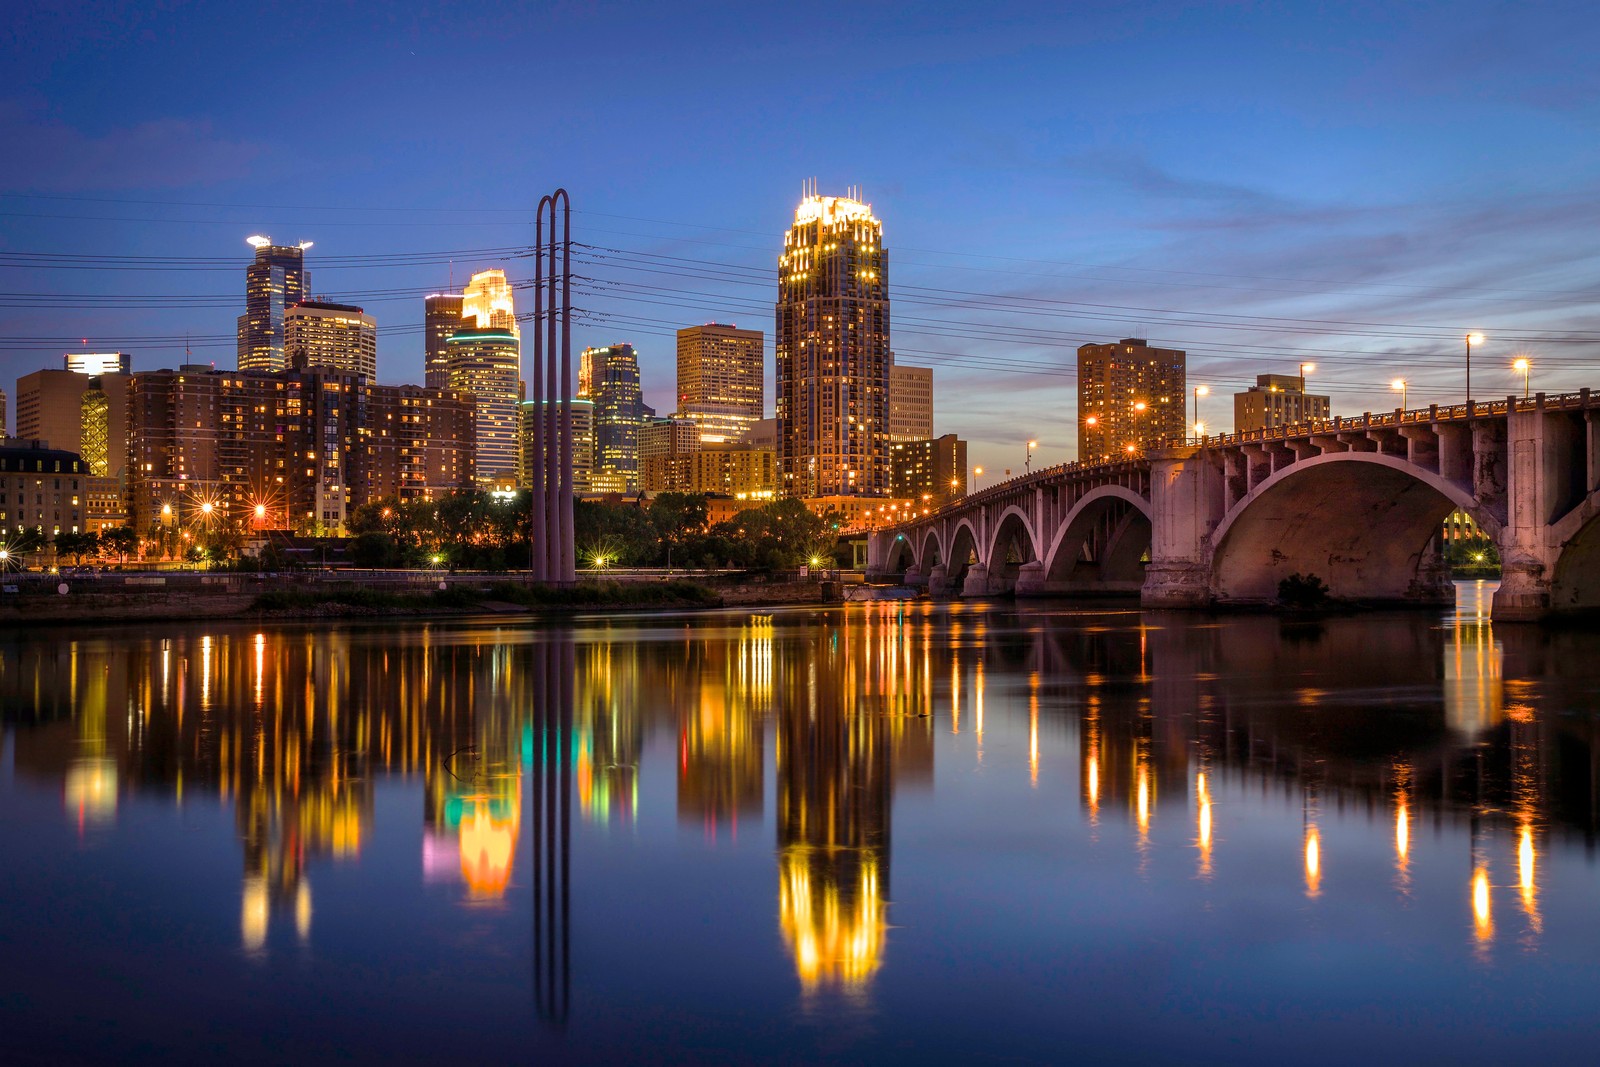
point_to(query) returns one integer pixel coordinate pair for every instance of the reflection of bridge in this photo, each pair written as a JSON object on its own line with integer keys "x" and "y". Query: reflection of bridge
{"x": 1357, "y": 502}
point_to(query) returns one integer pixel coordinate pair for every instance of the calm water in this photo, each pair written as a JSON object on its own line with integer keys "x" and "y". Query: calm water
{"x": 880, "y": 832}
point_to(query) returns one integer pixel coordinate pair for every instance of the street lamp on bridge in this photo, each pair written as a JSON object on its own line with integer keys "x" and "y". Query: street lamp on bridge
{"x": 977, "y": 473}
{"x": 1399, "y": 385}
{"x": 1027, "y": 461}
{"x": 1199, "y": 391}
{"x": 1472, "y": 339}
{"x": 1524, "y": 365}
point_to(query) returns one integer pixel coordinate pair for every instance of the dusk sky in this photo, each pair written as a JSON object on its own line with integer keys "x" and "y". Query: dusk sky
{"x": 1356, "y": 185}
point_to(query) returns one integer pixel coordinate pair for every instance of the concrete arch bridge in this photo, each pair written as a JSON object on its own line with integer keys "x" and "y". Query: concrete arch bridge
{"x": 1359, "y": 502}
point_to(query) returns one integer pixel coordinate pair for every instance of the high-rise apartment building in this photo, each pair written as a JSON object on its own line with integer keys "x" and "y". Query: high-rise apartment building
{"x": 419, "y": 442}
{"x": 932, "y": 472}
{"x": 318, "y": 335}
{"x": 96, "y": 363}
{"x": 487, "y": 302}
{"x": 910, "y": 403}
{"x": 441, "y": 317}
{"x": 720, "y": 380}
{"x": 485, "y": 364}
{"x": 1130, "y": 398}
{"x": 665, "y": 446}
{"x": 1277, "y": 400}
{"x": 276, "y": 281}
{"x": 610, "y": 377}
{"x": 582, "y": 443}
{"x": 833, "y": 351}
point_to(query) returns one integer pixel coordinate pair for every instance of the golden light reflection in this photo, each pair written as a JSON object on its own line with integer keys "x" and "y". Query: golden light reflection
{"x": 1313, "y": 861}
{"x": 1202, "y": 790}
{"x": 1526, "y": 878}
{"x": 1402, "y": 837}
{"x": 253, "y": 914}
{"x": 834, "y": 927}
{"x": 1482, "y": 921}
{"x": 302, "y": 911}
{"x": 1033, "y": 730}
{"x": 488, "y": 845}
{"x": 1142, "y": 801}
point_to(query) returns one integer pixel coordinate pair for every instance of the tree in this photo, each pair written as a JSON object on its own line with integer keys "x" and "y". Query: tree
{"x": 120, "y": 540}
{"x": 77, "y": 545}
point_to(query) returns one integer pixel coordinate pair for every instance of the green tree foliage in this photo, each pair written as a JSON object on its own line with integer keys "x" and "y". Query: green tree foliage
{"x": 76, "y": 546}
{"x": 119, "y": 541}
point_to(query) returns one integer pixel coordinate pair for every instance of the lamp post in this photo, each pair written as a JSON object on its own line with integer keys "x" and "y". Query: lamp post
{"x": 1399, "y": 386}
{"x": 977, "y": 473}
{"x": 955, "y": 483}
{"x": 1138, "y": 411}
{"x": 1027, "y": 461}
{"x": 1524, "y": 366}
{"x": 1199, "y": 391}
{"x": 1472, "y": 339}
{"x": 1088, "y": 424}
{"x": 1304, "y": 367}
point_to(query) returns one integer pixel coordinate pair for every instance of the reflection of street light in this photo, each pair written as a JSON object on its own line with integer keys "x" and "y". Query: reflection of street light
{"x": 1472, "y": 339}
{"x": 1399, "y": 385}
{"x": 1523, "y": 365}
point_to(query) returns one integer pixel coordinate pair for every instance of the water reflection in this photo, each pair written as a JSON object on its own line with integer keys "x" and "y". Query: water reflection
{"x": 1449, "y": 742}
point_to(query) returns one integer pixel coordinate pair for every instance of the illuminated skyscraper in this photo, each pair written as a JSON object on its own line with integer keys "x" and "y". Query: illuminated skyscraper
{"x": 487, "y": 302}
{"x": 338, "y": 337}
{"x": 94, "y": 363}
{"x": 582, "y": 442}
{"x": 1130, "y": 398}
{"x": 833, "y": 351}
{"x": 485, "y": 364}
{"x": 275, "y": 282}
{"x": 610, "y": 377}
{"x": 720, "y": 380}
{"x": 441, "y": 317}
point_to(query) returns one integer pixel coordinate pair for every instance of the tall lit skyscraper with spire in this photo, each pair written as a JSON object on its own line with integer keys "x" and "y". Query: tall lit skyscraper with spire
{"x": 484, "y": 358}
{"x": 276, "y": 281}
{"x": 833, "y": 350}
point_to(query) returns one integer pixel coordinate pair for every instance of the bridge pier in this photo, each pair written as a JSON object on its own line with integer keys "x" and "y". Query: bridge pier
{"x": 977, "y": 583}
{"x": 939, "y": 581}
{"x": 1186, "y": 497}
{"x": 1030, "y": 579}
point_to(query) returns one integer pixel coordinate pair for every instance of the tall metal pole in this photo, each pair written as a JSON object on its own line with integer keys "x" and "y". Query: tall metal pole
{"x": 552, "y": 478}
{"x": 536, "y": 551}
{"x": 568, "y": 570}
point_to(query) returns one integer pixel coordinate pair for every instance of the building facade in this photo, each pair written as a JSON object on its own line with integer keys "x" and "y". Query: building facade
{"x": 665, "y": 445}
{"x": 336, "y": 337}
{"x": 276, "y": 281}
{"x": 1277, "y": 400}
{"x": 582, "y": 443}
{"x": 1130, "y": 398}
{"x": 41, "y": 492}
{"x": 833, "y": 352}
{"x": 910, "y": 403}
{"x": 485, "y": 364}
{"x": 441, "y": 317}
{"x": 930, "y": 472}
{"x": 487, "y": 303}
{"x": 610, "y": 378}
{"x": 721, "y": 380}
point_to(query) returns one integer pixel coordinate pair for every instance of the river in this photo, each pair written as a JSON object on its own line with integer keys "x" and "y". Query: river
{"x": 874, "y": 832}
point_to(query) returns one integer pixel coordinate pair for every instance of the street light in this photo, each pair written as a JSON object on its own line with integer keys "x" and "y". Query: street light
{"x": 1524, "y": 366}
{"x": 1199, "y": 391}
{"x": 1028, "y": 459}
{"x": 977, "y": 473}
{"x": 1199, "y": 431}
{"x": 1472, "y": 339}
{"x": 1138, "y": 410}
{"x": 1304, "y": 368}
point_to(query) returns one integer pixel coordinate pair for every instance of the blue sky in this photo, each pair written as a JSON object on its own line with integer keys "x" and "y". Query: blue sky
{"x": 1356, "y": 185}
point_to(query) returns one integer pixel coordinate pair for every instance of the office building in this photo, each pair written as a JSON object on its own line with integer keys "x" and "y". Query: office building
{"x": 665, "y": 445}
{"x": 419, "y": 443}
{"x": 720, "y": 380}
{"x": 910, "y": 403}
{"x": 441, "y": 317}
{"x": 276, "y": 281}
{"x": 610, "y": 378}
{"x": 41, "y": 489}
{"x": 932, "y": 472}
{"x": 1130, "y": 398}
{"x": 735, "y": 470}
{"x": 103, "y": 425}
{"x": 318, "y": 335}
{"x": 833, "y": 351}
{"x": 485, "y": 365}
{"x": 582, "y": 443}
{"x": 97, "y": 363}
{"x": 1277, "y": 400}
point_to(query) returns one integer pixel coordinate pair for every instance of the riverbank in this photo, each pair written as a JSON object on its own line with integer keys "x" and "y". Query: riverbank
{"x": 248, "y": 600}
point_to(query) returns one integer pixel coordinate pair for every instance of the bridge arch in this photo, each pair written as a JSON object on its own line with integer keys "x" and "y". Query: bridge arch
{"x": 929, "y": 551}
{"x": 1101, "y": 543}
{"x": 900, "y": 556}
{"x": 1012, "y": 546}
{"x": 964, "y": 546}
{"x": 1365, "y": 523}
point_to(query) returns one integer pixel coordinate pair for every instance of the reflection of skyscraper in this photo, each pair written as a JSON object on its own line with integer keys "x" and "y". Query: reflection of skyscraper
{"x": 725, "y": 695}
{"x": 276, "y": 281}
{"x": 833, "y": 352}
{"x": 608, "y": 732}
